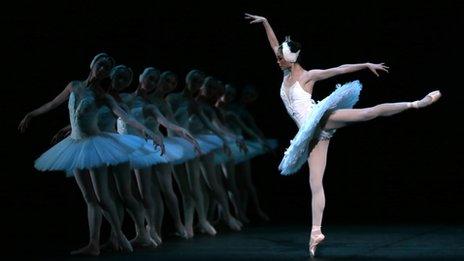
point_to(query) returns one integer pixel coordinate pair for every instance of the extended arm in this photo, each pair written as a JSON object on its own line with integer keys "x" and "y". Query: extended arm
{"x": 59, "y": 99}
{"x": 269, "y": 32}
{"x": 317, "y": 75}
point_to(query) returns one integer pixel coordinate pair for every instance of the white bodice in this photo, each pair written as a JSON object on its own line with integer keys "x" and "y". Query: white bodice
{"x": 297, "y": 101}
{"x": 83, "y": 114}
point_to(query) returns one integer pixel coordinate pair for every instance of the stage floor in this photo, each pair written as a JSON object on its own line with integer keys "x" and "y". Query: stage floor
{"x": 266, "y": 242}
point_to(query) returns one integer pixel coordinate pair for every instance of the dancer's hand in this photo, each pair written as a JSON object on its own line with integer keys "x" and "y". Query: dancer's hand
{"x": 24, "y": 123}
{"x": 255, "y": 18}
{"x": 189, "y": 137}
{"x": 157, "y": 140}
{"x": 61, "y": 134}
{"x": 377, "y": 67}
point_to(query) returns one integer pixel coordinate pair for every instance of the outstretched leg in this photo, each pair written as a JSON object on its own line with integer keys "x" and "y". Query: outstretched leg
{"x": 342, "y": 117}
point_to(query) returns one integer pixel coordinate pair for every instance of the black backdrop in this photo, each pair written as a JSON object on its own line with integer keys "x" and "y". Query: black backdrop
{"x": 403, "y": 169}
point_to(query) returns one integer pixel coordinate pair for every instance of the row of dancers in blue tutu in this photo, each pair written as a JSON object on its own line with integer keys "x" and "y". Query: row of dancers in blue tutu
{"x": 114, "y": 135}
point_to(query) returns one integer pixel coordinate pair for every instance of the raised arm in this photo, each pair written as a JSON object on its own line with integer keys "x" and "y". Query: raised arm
{"x": 317, "y": 74}
{"x": 58, "y": 100}
{"x": 269, "y": 32}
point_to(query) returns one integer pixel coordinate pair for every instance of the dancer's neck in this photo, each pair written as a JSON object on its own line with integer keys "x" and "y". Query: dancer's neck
{"x": 295, "y": 71}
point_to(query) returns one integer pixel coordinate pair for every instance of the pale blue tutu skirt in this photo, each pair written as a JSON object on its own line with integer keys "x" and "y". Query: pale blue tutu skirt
{"x": 146, "y": 156}
{"x": 345, "y": 96}
{"x": 102, "y": 149}
{"x": 238, "y": 156}
{"x": 208, "y": 142}
{"x": 174, "y": 153}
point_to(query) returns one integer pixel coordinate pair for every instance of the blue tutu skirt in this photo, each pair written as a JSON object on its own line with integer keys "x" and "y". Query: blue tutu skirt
{"x": 102, "y": 149}
{"x": 208, "y": 143}
{"x": 174, "y": 153}
{"x": 213, "y": 141}
{"x": 146, "y": 156}
{"x": 345, "y": 96}
{"x": 256, "y": 149}
{"x": 188, "y": 150}
{"x": 237, "y": 155}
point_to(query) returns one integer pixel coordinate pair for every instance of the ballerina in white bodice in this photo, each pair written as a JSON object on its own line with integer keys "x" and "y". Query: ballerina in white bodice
{"x": 297, "y": 101}
{"x": 317, "y": 122}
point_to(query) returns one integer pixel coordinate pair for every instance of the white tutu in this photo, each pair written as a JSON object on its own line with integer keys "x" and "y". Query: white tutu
{"x": 297, "y": 154}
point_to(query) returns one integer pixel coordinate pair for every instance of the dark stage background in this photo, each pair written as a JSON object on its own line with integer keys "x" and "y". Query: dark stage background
{"x": 405, "y": 169}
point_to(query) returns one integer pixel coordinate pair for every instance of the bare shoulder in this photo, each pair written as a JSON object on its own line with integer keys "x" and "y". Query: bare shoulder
{"x": 74, "y": 85}
{"x": 308, "y": 79}
{"x": 311, "y": 75}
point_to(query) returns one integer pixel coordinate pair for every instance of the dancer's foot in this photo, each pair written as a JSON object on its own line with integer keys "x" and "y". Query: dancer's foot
{"x": 153, "y": 234}
{"x": 123, "y": 244}
{"x": 263, "y": 215}
{"x": 182, "y": 232}
{"x": 316, "y": 238}
{"x": 89, "y": 250}
{"x": 233, "y": 223}
{"x": 207, "y": 228}
{"x": 427, "y": 100}
{"x": 189, "y": 229}
{"x": 143, "y": 240}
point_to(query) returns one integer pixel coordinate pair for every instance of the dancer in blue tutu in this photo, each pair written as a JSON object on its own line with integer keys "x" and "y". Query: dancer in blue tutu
{"x": 88, "y": 151}
{"x": 247, "y": 190}
{"x": 318, "y": 122}
{"x": 190, "y": 115}
{"x": 205, "y": 100}
{"x": 184, "y": 176}
{"x": 121, "y": 177}
{"x": 190, "y": 148}
{"x": 151, "y": 180}
{"x": 255, "y": 145}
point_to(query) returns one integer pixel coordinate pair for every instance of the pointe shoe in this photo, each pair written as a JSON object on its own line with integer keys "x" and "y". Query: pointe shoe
{"x": 435, "y": 95}
{"x": 314, "y": 242}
